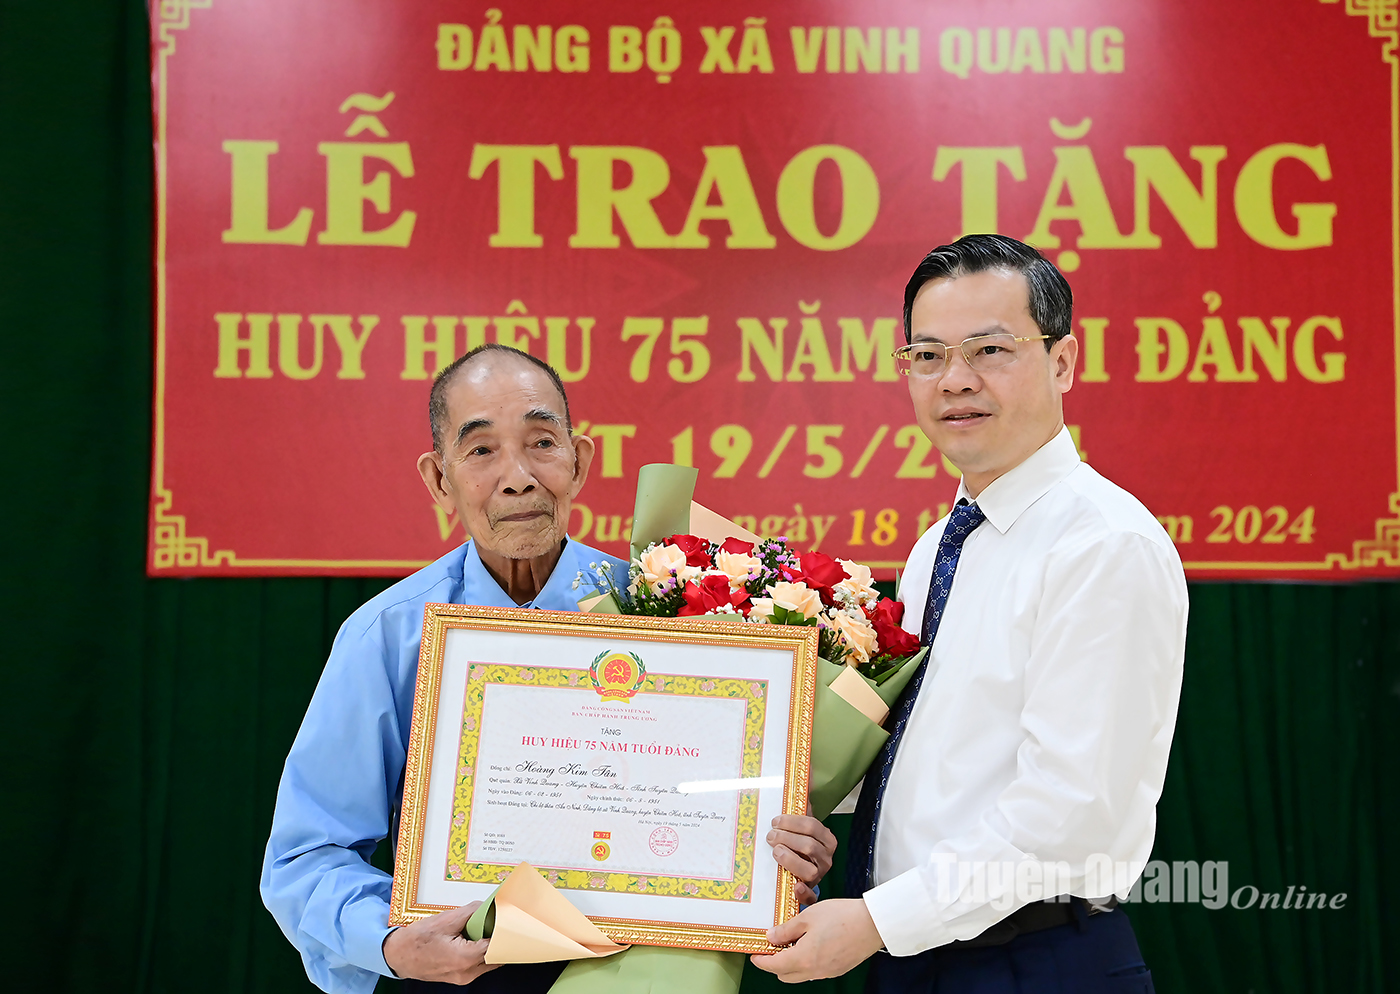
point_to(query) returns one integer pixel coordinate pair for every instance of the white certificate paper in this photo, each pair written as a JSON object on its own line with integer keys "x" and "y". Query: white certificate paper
{"x": 554, "y": 756}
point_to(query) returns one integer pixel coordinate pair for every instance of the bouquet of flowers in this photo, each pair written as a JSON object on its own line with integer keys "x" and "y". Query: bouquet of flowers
{"x": 769, "y": 583}
{"x": 866, "y": 657}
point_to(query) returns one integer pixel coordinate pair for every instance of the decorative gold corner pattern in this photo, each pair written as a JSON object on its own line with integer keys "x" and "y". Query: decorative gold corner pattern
{"x": 173, "y": 549}
{"x": 1382, "y": 22}
{"x": 175, "y": 16}
{"x": 1383, "y": 550}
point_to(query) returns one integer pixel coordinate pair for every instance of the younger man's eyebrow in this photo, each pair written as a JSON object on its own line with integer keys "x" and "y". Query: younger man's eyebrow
{"x": 992, "y": 329}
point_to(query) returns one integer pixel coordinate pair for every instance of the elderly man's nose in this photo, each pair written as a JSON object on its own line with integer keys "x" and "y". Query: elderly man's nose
{"x": 518, "y": 477}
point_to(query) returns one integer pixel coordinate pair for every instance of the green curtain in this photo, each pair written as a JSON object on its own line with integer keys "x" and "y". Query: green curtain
{"x": 146, "y": 720}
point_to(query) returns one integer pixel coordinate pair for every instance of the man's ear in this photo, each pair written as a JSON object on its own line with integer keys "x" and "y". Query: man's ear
{"x": 1064, "y": 358}
{"x": 430, "y": 468}
{"x": 583, "y": 459}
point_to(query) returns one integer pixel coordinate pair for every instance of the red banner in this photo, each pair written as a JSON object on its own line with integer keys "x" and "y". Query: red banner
{"x": 704, "y": 214}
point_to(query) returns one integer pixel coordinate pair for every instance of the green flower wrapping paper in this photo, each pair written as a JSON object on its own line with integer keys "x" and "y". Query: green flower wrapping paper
{"x": 844, "y": 740}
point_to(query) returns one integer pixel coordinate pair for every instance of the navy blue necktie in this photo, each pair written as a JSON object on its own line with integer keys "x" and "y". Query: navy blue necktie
{"x": 961, "y": 523}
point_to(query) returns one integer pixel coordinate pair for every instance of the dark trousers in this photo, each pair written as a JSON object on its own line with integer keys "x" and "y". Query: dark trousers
{"x": 1097, "y": 954}
{"x": 521, "y": 978}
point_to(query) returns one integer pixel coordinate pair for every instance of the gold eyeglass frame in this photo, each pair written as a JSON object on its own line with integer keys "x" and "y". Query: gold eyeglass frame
{"x": 903, "y": 350}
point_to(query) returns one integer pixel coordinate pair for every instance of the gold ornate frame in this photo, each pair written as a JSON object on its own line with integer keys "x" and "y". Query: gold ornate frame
{"x": 439, "y": 619}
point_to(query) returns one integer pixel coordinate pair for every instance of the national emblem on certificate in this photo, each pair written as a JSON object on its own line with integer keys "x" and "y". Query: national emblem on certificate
{"x": 634, "y": 762}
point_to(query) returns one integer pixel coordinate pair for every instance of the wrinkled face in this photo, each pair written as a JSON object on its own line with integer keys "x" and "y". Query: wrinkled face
{"x": 509, "y": 465}
{"x": 987, "y": 422}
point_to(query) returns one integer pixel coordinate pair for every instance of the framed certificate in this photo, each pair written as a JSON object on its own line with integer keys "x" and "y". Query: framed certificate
{"x": 636, "y": 762}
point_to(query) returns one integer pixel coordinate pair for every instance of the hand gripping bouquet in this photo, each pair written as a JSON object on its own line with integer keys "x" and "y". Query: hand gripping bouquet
{"x": 688, "y": 561}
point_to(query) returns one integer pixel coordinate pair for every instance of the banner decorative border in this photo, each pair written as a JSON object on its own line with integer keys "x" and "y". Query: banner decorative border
{"x": 172, "y": 548}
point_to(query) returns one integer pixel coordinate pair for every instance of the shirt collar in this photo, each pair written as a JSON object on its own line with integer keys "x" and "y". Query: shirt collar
{"x": 1006, "y": 497}
{"x": 557, "y": 594}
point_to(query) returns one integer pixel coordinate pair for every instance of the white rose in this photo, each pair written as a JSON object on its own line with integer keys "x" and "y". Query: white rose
{"x": 856, "y": 634}
{"x": 738, "y": 566}
{"x": 796, "y": 597}
{"x": 762, "y": 609}
{"x": 660, "y": 561}
{"x": 858, "y": 587}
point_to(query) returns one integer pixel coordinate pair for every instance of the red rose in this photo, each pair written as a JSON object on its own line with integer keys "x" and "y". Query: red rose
{"x": 737, "y": 545}
{"x": 893, "y": 640}
{"x": 821, "y": 570}
{"x": 697, "y": 550}
{"x": 896, "y": 642}
{"x": 710, "y": 594}
{"x": 891, "y": 611}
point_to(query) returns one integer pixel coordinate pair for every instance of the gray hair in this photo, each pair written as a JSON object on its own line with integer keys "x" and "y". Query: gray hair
{"x": 437, "y": 399}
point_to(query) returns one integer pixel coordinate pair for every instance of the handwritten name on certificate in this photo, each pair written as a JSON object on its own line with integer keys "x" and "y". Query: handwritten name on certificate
{"x": 609, "y": 778}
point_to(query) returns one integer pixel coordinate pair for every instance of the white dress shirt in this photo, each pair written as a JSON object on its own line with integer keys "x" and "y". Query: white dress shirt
{"x": 1042, "y": 727}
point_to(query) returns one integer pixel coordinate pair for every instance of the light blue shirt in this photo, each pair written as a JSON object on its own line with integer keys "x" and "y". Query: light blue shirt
{"x": 341, "y": 778}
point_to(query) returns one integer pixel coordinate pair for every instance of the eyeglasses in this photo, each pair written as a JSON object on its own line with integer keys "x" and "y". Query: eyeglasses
{"x": 982, "y": 352}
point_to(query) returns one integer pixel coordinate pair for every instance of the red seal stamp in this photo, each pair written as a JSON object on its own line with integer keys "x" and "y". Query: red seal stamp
{"x": 664, "y": 841}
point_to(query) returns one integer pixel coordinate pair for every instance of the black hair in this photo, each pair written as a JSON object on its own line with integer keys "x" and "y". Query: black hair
{"x": 437, "y": 399}
{"x": 1051, "y": 301}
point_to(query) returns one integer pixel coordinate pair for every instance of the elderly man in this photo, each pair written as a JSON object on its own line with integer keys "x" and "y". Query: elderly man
{"x": 506, "y": 461}
{"x": 1032, "y": 747}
